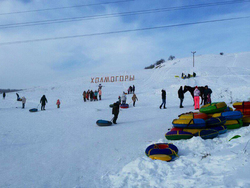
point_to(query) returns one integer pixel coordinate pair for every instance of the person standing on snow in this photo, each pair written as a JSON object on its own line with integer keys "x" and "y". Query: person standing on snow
{"x": 43, "y": 102}
{"x": 181, "y": 96}
{"x": 196, "y": 98}
{"x": 84, "y": 96}
{"x": 91, "y": 95}
{"x": 115, "y": 111}
{"x": 100, "y": 94}
{"x": 58, "y": 103}
{"x": 123, "y": 98}
{"x": 23, "y": 102}
{"x": 134, "y": 98}
{"x": 133, "y": 89}
{"x": 207, "y": 95}
{"x": 95, "y": 94}
{"x": 163, "y": 96}
{"x": 4, "y": 95}
{"x": 87, "y": 95}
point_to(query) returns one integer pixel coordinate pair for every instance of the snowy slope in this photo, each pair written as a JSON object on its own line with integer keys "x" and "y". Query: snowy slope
{"x": 65, "y": 148}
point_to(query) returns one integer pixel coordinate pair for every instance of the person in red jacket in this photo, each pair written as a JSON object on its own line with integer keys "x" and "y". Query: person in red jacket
{"x": 58, "y": 103}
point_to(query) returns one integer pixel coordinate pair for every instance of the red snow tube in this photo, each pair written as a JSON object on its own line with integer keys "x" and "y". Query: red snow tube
{"x": 124, "y": 106}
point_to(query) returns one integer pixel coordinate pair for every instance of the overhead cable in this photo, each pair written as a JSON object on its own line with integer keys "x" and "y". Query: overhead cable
{"x": 59, "y": 8}
{"x": 120, "y": 31}
{"x": 102, "y": 16}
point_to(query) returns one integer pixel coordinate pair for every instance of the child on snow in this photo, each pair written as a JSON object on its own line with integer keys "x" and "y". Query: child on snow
{"x": 58, "y": 103}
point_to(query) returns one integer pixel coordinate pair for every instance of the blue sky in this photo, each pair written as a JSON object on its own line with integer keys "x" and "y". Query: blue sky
{"x": 32, "y": 64}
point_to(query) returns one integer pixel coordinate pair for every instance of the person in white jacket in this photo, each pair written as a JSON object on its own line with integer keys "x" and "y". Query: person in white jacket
{"x": 23, "y": 101}
{"x": 123, "y": 98}
{"x": 196, "y": 98}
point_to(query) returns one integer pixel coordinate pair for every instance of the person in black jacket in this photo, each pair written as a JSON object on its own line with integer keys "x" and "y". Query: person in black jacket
{"x": 4, "y": 95}
{"x": 207, "y": 95}
{"x": 133, "y": 89}
{"x": 115, "y": 111}
{"x": 43, "y": 102}
{"x": 163, "y": 96}
{"x": 181, "y": 96}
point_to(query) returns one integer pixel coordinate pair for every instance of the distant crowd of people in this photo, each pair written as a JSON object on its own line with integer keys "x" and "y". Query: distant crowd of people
{"x": 131, "y": 89}
{"x": 93, "y": 95}
{"x": 188, "y": 76}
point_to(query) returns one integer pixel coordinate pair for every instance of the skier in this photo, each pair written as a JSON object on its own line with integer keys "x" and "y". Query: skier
{"x": 196, "y": 98}
{"x": 43, "y": 102}
{"x": 207, "y": 95}
{"x": 115, "y": 111}
{"x": 4, "y": 95}
{"x": 123, "y": 98}
{"x": 134, "y": 98}
{"x": 23, "y": 102}
{"x": 181, "y": 96}
{"x": 163, "y": 96}
{"x": 84, "y": 96}
{"x": 58, "y": 103}
{"x": 133, "y": 89}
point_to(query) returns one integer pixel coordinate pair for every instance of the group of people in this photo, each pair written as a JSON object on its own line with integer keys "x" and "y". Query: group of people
{"x": 131, "y": 89}
{"x": 43, "y": 101}
{"x": 188, "y": 76}
{"x": 197, "y": 93}
{"x": 92, "y": 95}
{"x": 122, "y": 100}
{"x": 206, "y": 95}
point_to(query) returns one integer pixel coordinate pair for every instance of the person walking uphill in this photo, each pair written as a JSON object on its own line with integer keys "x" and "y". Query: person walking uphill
{"x": 196, "y": 98}
{"x": 115, "y": 111}
{"x": 134, "y": 98}
{"x": 181, "y": 96}
{"x": 207, "y": 95}
{"x": 163, "y": 96}
{"x": 43, "y": 102}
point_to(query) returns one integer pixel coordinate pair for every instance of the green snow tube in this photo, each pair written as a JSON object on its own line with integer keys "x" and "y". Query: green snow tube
{"x": 212, "y": 108}
{"x": 234, "y": 124}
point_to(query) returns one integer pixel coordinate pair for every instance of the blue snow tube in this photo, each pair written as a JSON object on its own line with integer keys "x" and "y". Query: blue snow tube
{"x": 102, "y": 123}
{"x": 33, "y": 110}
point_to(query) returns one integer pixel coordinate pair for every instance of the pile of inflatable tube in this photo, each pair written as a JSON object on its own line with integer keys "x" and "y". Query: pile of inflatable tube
{"x": 212, "y": 120}
{"x": 244, "y": 108}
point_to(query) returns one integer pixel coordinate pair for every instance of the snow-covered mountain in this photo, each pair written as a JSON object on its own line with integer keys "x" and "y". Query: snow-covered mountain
{"x": 65, "y": 148}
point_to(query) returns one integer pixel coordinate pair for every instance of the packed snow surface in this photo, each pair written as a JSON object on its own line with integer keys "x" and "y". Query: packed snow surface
{"x": 65, "y": 148}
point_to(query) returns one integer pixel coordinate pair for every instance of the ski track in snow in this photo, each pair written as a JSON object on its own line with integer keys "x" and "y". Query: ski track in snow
{"x": 65, "y": 148}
